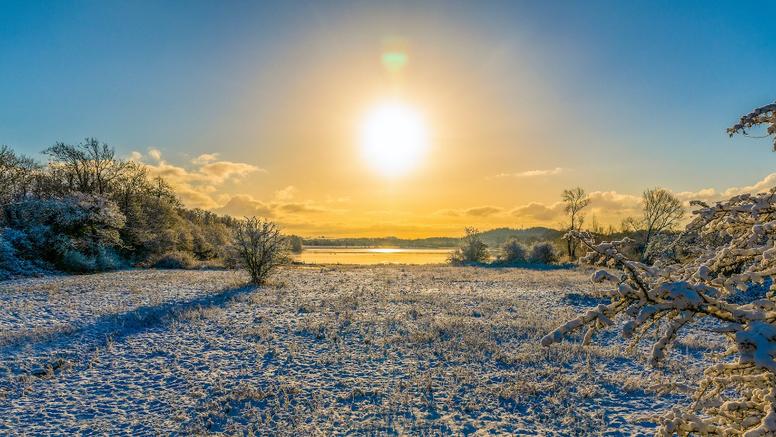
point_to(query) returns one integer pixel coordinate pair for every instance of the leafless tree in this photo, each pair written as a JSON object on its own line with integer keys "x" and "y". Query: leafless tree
{"x": 576, "y": 200}
{"x": 88, "y": 167}
{"x": 17, "y": 175}
{"x": 260, "y": 248}
{"x": 662, "y": 212}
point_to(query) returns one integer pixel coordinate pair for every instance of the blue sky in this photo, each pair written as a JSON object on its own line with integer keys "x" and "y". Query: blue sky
{"x": 625, "y": 94}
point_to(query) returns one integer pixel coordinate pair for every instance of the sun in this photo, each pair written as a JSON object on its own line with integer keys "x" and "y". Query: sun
{"x": 394, "y": 138}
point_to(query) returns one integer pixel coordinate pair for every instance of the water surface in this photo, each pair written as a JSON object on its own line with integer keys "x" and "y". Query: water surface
{"x": 347, "y": 255}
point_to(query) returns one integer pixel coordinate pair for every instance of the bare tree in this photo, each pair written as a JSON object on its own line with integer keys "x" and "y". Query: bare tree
{"x": 17, "y": 175}
{"x": 662, "y": 212}
{"x": 576, "y": 200}
{"x": 260, "y": 248}
{"x": 89, "y": 167}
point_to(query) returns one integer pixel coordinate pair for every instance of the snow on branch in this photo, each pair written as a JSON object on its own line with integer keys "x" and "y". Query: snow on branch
{"x": 764, "y": 115}
{"x": 735, "y": 248}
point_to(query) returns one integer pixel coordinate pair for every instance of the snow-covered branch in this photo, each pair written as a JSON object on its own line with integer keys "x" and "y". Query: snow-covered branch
{"x": 764, "y": 115}
{"x": 735, "y": 247}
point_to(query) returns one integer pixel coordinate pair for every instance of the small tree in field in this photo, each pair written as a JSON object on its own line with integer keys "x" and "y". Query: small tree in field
{"x": 472, "y": 249}
{"x": 575, "y": 200}
{"x": 543, "y": 253}
{"x": 295, "y": 244}
{"x": 260, "y": 248}
{"x": 734, "y": 247}
{"x": 662, "y": 212}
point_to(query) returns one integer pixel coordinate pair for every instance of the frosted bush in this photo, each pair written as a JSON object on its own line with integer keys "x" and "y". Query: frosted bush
{"x": 10, "y": 264}
{"x": 472, "y": 250}
{"x": 175, "y": 260}
{"x": 514, "y": 252}
{"x": 76, "y": 262}
{"x": 543, "y": 253}
{"x": 76, "y": 233}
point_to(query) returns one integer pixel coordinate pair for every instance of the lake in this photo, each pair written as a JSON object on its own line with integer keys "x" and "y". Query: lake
{"x": 347, "y": 255}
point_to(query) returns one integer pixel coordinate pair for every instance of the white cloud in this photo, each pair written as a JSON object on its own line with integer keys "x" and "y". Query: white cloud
{"x": 244, "y": 205}
{"x": 205, "y": 158}
{"x": 197, "y": 186}
{"x": 155, "y": 154}
{"x": 287, "y": 193}
{"x": 712, "y": 195}
{"x": 531, "y": 173}
{"x": 539, "y": 212}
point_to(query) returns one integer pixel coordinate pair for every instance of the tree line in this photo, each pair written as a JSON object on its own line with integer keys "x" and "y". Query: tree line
{"x": 646, "y": 237}
{"x": 86, "y": 210}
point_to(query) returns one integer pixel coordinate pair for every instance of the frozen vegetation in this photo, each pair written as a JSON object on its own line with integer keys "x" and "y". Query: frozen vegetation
{"x": 321, "y": 350}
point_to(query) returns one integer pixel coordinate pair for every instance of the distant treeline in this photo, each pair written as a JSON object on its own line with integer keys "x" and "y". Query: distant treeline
{"x": 493, "y": 238}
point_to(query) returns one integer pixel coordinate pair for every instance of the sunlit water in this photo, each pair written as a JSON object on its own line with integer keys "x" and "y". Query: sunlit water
{"x": 340, "y": 255}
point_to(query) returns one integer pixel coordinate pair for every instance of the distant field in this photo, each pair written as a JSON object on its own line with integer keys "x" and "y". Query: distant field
{"x": 325, "y": 350}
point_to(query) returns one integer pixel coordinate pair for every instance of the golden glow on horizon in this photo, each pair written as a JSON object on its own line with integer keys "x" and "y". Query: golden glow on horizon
{"x": 394, "y": 138}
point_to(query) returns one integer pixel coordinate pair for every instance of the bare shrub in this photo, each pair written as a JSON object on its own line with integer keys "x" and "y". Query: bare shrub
{"x": 514, "y": 252}
{"x": 543, "y": 253}
{"x": 89, "y": 167}
{"x": 472, "y": 249}
{"x": 17, "y": 175}
{"x": 260, "y": 248}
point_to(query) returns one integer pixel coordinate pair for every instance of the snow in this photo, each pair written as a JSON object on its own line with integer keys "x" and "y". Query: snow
{"x": 330, "y": 350}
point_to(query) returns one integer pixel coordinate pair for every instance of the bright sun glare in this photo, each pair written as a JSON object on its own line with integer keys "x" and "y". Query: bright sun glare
{"x": 394, "y": 138}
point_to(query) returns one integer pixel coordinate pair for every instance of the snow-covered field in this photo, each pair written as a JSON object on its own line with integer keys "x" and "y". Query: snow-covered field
{"x": 324, "y": 350}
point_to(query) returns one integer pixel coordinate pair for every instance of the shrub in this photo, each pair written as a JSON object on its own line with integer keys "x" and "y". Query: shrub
{"x": 472, "y": 250}
{"x": 260, "y": 248}
{"x": 10, "y": 264}
{"x": 75, "y": 262}
{"x": 174, "y": 260}
{"x": 295, "y": 244}
{"x": 543, "y": 253}
{"x": 514, "y": 252}
{"x": 107, "y": 259}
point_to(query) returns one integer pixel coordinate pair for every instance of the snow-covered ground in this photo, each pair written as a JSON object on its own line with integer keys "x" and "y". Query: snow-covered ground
{"x": 324, "y": 350}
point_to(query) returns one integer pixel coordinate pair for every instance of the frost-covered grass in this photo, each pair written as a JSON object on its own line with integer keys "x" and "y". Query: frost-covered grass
{"x": 322, "y": 350}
